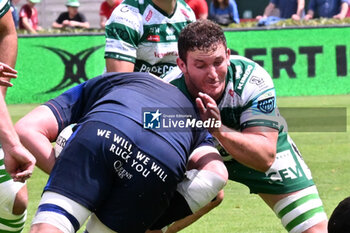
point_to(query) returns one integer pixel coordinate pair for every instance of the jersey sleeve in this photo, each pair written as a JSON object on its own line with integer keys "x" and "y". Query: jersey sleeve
{"x": 123, "y": 30}
{"x": 4, "y": 7}
{"x": 259, "y": 98}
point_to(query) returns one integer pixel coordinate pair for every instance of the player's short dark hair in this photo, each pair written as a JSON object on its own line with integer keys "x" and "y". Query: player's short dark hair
{"x": 339, "y": 222}
{"x": 202, "y": 35}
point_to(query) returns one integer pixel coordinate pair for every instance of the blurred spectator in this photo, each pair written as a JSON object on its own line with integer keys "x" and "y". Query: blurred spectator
{"x": 14, "y": 12}
{"x": 71, "y": 18}
{"x": 106, "y": 10}
{"x": 327, "y": 9}
{"x": 200, "y": 8}
{"x": 28, "y": 17}
{"x": 223, "y": 12}
{"x": 287, "y": 9}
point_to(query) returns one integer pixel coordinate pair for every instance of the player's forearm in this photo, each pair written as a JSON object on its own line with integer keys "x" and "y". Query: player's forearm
{"x": 8, "y": 45}
{"x": 252, "y": 150}
{"x": 40, "y": 147}
{"x": 8, "y": 136}
{"x": 36, "y": 131}
{"x": 8, "y": 38}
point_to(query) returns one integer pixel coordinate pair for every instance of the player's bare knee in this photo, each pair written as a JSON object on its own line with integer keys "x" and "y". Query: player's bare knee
{"x": 21, "y": 201}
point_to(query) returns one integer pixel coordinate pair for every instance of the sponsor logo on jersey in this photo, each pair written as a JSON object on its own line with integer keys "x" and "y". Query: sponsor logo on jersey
{"x": 245, "y": 76}
{"x": 256, "y": 80}
{"x": 156, "y": 69}
{"x": 153, "y": 38}
{"x": 266, "y": 105}
{"x": 231, "y": 92}
{"x": 171, "y": 37}
{"x": 170, "y": 53}
{"x": 124, "y": 9}
{"x": 149, "y": 16}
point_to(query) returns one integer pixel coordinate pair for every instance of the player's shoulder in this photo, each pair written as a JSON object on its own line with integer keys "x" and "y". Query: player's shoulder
{"x": 4, "y": 7}
{"x": 249, "y": 78}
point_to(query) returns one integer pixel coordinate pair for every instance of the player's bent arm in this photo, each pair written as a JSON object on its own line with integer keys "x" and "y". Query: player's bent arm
{"x": 205, "y": 177}
{"x": 37, "y": 130}
{"x": 185, "y": 222}
{"x": 8, "y": 45}
{"x": 114, "y": 65}
{"x": 254, "y": 147}
{"x": 18, "y": 161}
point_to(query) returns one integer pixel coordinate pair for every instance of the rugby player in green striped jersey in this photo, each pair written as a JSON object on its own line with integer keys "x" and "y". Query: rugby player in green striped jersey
{"x": 253, "y": 138}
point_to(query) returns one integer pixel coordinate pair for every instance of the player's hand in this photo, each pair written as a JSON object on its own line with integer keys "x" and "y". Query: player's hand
{"x": 6, "y": 72}
{"x": 19, "y": 163}
{"x": 208, "y": 108}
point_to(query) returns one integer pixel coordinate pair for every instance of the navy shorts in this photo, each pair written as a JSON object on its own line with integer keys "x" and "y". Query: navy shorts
{"x": 106, "y": 172}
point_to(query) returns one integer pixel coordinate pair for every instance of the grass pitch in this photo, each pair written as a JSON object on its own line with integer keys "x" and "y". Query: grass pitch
{"x": 326, "y": 153}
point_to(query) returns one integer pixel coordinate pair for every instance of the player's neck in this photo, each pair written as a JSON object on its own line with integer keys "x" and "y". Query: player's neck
{"x": 166, "y": 5}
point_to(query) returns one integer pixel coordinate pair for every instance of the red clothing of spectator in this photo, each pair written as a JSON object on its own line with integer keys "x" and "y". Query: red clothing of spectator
{"x": 106, "y": 10}
{"x": 200, "y": 7}
{"x": 31, "y": 14}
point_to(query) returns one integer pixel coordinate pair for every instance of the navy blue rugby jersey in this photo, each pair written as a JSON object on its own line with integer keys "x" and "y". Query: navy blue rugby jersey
{"x": 137, "y": 96}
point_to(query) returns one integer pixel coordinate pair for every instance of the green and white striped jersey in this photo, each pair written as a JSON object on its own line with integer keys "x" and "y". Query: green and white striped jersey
{"x": 140, "y": 32}
{"x": 4, "y": 7}
{"x": 249, "y": 98}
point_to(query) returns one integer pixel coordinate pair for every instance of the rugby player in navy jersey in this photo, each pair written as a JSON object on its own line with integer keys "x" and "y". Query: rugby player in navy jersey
{"x": 115, "y": 167}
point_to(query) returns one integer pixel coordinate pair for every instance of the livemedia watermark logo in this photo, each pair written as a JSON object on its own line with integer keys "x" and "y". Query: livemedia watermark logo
{"x": 172, "y": 119}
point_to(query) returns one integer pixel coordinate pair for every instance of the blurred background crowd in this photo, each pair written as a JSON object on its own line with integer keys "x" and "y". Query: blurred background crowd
{"x": 35, "y": 15}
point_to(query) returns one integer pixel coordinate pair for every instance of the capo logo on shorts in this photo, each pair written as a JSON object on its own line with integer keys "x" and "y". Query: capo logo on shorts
{"x": 152, "y": 120}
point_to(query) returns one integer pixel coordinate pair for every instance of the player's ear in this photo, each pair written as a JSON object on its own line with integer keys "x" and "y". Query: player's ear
{"x": 228, "y": 54}
{"x": 181, "y": 64}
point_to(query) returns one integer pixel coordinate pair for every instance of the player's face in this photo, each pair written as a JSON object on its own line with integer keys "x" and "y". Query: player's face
{"x": 205, "y": 71}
